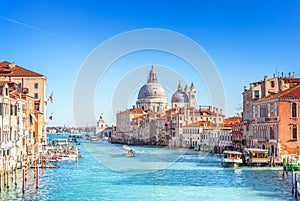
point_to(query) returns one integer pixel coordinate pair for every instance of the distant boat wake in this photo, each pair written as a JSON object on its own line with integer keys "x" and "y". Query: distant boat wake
{"x": 147, "y": 159}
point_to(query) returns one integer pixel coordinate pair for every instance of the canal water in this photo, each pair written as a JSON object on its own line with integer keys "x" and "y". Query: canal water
{"x": 105, "y": 173}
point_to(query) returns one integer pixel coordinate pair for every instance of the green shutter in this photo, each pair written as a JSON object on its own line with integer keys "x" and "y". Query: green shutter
{"x": 11, "y": 110}
{"x": 16, "y": 110}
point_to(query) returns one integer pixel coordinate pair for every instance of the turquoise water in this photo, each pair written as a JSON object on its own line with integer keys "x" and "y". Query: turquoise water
{"x": 151, "y": 175}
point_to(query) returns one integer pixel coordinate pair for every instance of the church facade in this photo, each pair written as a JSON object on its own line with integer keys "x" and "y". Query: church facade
{"x": 152, "y": 122}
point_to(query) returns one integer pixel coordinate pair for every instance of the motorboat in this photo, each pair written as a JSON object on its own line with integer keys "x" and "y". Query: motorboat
{"x": 130, "y": 153}
{"x": 232, "y": 159}
{"x": 125, "y": 147}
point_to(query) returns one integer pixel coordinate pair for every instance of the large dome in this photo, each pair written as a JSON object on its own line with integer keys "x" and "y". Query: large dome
{"x": 152, "y": 95}
{"x": 151, "y": 90}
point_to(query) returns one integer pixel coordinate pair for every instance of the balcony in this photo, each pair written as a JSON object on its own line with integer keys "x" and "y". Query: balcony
{"x": 272, "y": 141}
{"x": 271, "y": 119}
{"x": 262, "y": 140}
{"x": 261, "y": 119}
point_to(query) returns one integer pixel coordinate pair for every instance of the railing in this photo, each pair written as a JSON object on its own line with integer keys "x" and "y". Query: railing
{"x": 261, "y": 119}
{"x": 271, "y": 119}
{"x": 262, "y": 139}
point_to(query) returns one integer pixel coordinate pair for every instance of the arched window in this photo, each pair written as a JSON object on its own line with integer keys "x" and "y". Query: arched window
{"x": 295, "y": 132}
{"x": 294, "y": 110}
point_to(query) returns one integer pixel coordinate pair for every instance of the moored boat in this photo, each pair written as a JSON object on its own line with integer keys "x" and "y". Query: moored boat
{"x": 293, "y": 162}
{"x": 55, "y": 158}
{"x": 232, "y": 159}
{"x": 256, "y": 157}
{"x": 70, "y": 157}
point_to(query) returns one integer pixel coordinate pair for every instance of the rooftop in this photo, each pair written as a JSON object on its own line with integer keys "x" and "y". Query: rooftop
{"x": 293, "y": 92}
{"x": 8, "y": 69}
{"x": 198, "y": 124}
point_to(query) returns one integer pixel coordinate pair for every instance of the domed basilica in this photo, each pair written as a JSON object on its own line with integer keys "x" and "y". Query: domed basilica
{"x": 152, "y": 96}
{"x": 184, "y": 98}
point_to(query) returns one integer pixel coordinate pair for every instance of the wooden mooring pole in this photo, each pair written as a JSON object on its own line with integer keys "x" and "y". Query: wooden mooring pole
{"x": 296, "y": 185}
{"x": 23, "y": 180}
{"x": 293, "y": 181}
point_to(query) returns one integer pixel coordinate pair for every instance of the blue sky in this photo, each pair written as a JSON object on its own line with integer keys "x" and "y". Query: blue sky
{"x": 245, "y": 39}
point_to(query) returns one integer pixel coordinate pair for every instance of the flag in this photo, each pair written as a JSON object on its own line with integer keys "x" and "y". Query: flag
{"x": 51, "y": 116}
{"x": 50, "y": 97}
{"x": 33, "y": 117}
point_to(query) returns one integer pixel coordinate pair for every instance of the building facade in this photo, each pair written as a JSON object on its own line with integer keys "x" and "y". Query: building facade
{"x": 275, "y": 121}
{"x": 34, "y": 85}
{"x": 268, "y": 122}
{"x": 191, "y": 134}
{"x": 154, "y": 123}
{"x": 215, "y": 139}
{"x": 17, "y": 129}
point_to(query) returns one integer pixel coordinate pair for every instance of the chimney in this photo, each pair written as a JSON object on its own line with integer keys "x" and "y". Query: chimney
{"x": 12, "y": 65}
{"x": 265, "y": 92}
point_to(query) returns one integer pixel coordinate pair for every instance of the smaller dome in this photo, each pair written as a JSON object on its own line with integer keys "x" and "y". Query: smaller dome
{"x": 180, "y": 97}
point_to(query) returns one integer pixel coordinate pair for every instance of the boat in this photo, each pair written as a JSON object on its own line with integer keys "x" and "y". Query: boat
{"x": 75, "y": 135}
{"x": 293, "y": 162}
{"x": 232, "y": 159}
{"x": 55, "y": 158}
{"x": 70, "y": 157}
{"x": 60, "y": 142}
{"x": 94, "y": 138}
{"x": 45, "y": 166}
{"x": 256, "y": 157}
{"x": 130, "y": 153}
{"x": 74, "y": 140}
{"x": 125, "y": 147}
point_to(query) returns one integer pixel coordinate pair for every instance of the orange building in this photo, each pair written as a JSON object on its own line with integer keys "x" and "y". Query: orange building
{"x": 275, "y": 122}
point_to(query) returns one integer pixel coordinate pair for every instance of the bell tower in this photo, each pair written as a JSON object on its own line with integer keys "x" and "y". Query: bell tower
{"x": 192, "y": 97}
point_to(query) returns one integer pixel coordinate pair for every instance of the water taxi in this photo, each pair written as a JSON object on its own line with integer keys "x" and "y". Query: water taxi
{"x": 232, "y": 159}
{"x": 256, "y": 157}
{"x": 60, "y": 142}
